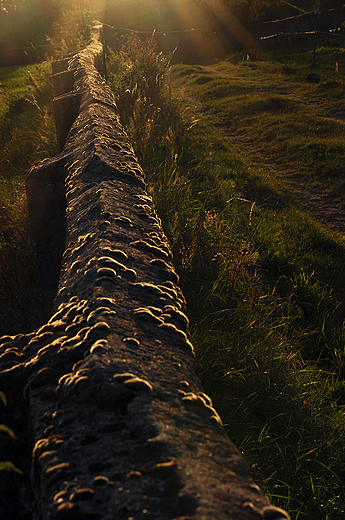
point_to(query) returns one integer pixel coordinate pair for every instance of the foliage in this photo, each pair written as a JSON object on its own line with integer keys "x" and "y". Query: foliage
{"x": 252, "y": 11}
{"x": 9, "y": 466}
{"x": 21, "y": 26}
{"x": 27, "y": 136}
{"x": 7, "y": 431}
{"x": 34, "y": 23}
{"x": 70, "y": 30}
{"x": 146, "y": 108}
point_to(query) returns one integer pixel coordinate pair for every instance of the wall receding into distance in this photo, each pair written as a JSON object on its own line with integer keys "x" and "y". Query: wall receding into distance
{"x": 115, "y": 423}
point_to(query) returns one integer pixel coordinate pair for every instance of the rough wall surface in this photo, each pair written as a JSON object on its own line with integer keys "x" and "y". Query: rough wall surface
{"x": 120, "y": 427}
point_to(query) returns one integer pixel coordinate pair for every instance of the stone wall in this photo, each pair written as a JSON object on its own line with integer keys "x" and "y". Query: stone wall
{"x": 117, "y": 425}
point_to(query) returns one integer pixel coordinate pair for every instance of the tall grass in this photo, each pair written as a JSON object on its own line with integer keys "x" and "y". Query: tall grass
{"x": 261, "y": 280}
{"x": 27, "y": 135}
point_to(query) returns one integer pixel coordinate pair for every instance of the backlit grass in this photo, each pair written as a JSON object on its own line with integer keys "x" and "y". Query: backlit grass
{"x": 280, "y": 118}
{"x": 261, "y": 269}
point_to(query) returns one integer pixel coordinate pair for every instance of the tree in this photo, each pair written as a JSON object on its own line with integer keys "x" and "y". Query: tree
{"x": 248, "y": 12}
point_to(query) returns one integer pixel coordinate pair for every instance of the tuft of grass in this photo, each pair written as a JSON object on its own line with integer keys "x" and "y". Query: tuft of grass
{"x": 263, "y": 275}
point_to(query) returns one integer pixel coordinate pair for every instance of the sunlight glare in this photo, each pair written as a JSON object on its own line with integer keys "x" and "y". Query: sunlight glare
{"x": 226, "y": 17}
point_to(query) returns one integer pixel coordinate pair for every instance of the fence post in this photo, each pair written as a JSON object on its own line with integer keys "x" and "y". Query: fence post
{"x": 314, "y": 50}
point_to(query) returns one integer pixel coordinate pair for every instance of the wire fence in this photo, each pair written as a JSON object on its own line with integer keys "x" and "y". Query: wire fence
{"x": 188, "y": 45}
{"x": 281, "y": 32}
{"x": 281, "y": 40}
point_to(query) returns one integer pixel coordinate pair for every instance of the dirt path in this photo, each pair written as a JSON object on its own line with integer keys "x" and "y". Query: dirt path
{"x": 309, "y": 199}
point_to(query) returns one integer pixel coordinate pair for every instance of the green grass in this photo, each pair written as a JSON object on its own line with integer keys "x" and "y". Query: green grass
{"x": 27, "y": 135}
{"x": 26, "y": 124}
{"x": 279, "y": 117}
{"x": 233, "y": 167}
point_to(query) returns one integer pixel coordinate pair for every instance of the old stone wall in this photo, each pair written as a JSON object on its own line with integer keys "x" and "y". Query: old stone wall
{"x": 117, "y": 423}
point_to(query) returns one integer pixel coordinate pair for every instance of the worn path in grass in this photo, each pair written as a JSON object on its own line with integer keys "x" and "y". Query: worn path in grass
{"x": 286, "y": 123}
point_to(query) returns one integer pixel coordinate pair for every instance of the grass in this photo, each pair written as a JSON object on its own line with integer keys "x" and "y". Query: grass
{"x": 27, "y": 135}
{"x": 233, "y": 165}
{"x": 295, "y": 124}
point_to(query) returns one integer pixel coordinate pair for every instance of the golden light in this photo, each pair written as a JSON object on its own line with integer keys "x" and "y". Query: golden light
{"x": 224, "y": 14}
{"x": 209, "y": 25}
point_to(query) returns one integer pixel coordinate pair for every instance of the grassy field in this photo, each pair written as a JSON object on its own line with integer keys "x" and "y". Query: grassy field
{"x": 245, "y": 163}
{"x": 274, "y": 356}
{"x": 27, "y": 135}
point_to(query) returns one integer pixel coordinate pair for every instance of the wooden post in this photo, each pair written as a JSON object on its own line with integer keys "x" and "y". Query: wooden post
{"x": 256, "y": 48}
{"x": 314, "y": 40}
{"x": 275, "y": 48}
{"x": 46, "y": 197}
{"x": 314, "y": 50}
{"x": 66, "y": 110}
{"x": 59, "y": 66}
{"x": 63, "y": 82}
